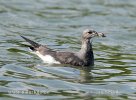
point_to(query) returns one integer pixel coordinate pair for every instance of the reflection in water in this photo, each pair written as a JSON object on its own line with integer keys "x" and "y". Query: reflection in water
{"x": 85, "y": 75}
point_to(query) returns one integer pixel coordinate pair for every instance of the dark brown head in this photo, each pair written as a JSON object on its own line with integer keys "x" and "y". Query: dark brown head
{"x": 88, "y": 34}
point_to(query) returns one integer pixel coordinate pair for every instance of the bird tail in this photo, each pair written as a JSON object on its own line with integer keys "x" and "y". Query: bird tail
{"x": 33, "y": 46}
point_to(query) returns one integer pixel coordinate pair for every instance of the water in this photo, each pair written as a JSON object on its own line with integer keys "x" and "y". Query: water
{"x": 59, "y": 24}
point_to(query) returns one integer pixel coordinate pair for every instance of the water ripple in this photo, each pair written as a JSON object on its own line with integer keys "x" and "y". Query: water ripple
{"x": 59, "y": 24}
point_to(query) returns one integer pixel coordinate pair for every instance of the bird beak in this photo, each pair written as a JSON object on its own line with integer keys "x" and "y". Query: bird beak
{"x": 99, "y": 34}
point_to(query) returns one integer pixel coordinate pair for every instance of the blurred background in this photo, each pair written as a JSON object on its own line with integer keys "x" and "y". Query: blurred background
{"x": 59, "y": 24}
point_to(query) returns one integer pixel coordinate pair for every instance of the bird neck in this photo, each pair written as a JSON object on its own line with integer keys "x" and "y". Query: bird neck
{"x": 86, "y": 52}
{"x": 86, "y": 46}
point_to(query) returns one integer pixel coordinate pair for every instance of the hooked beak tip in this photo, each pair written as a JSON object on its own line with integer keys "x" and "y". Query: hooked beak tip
{"x": 101, "y": 35}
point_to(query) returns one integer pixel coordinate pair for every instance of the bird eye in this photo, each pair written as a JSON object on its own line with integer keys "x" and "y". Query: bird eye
{"x": 90, "y": 32}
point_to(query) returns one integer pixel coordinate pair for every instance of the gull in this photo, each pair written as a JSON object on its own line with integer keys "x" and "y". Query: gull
{"x": 84, "y": 57}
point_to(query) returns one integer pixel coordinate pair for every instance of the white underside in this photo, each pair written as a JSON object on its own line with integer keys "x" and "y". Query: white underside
{"x": 47, "y": 58}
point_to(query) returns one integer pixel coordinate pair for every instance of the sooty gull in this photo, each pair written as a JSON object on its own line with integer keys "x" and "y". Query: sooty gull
{"x": 84, "y": 57}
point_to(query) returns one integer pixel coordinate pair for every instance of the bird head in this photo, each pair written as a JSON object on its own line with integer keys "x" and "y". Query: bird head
{"x": 89, "y": 33}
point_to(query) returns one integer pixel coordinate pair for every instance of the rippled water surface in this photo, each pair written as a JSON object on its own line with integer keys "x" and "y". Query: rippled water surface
{"x": 59, "y": 24}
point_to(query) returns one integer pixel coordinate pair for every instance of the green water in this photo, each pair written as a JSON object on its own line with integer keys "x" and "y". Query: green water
{"x": 59, "y": 24}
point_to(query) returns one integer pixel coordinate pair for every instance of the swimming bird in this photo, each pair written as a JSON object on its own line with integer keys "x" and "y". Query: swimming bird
{"x": 84, "y": 57}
